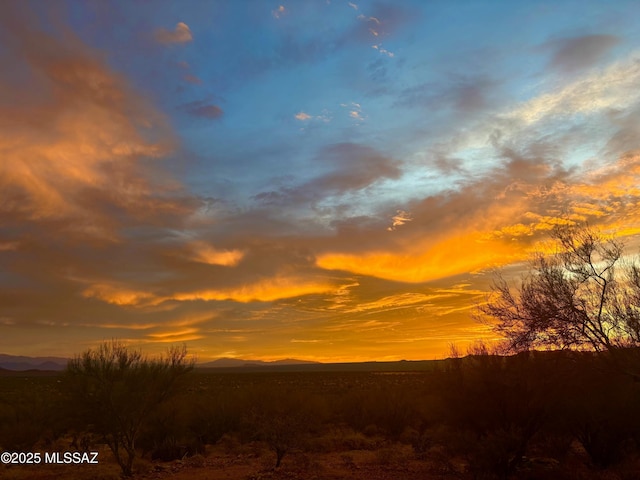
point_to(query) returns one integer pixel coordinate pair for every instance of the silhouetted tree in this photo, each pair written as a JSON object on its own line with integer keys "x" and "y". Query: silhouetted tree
{"x": 584, "y": 296}
{"x": 116, "y": 390}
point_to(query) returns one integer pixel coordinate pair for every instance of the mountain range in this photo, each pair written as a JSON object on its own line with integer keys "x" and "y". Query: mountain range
{"x": 21, "y": 363}
{"x": 236, "y": 362}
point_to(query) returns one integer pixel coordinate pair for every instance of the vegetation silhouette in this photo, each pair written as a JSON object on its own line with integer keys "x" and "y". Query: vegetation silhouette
{"x": 583, "y": 296}
{"x": 116, "y": 391}
{"x": 529, "y": 416}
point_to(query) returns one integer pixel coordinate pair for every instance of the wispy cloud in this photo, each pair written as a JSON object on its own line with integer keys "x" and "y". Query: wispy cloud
{"x": 382, "y": 50}
{"x": 400, "y": 218}
{"x": 173, "y": 336}
{"x": 323, "y": 117}
{"x": 394, "y": 302}
{"x": 354, "y": 110}
{"x": 599, "y": 91}
{"x": 203, "y": 109}
{"x": 180, "y": 34}
{"x": 87, "y": 157}
{"x": 302, "y": 116}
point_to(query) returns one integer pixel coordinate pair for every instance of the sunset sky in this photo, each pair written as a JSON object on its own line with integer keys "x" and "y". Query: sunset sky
{"x": 324, "y": 180}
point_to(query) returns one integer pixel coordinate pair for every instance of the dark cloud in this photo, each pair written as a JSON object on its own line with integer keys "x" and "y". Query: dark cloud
{"x": 574, "y": 54}
{"x": 349, "y": 167}
{"x": 356, "y": 167}
{"x": 447, "y": 164}
{"x": 203, "y": 109}
{"x": 627, "y": 131}
{"x": 535, "y": 162}
{"x": 461, "y": 94}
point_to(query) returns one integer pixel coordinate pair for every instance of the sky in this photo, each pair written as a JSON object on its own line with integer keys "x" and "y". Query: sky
{"x": 323, "y": 180}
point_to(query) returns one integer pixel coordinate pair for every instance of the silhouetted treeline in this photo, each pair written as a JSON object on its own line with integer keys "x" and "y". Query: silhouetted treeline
{"x": 536, "y": 415}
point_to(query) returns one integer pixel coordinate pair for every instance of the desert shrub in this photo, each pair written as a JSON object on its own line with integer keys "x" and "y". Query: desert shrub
{"x": 197, "y": 461}
{"x": 348, "y": 461}
{"x": 419, "y": 439}
{"x": 117, "y": 390}
{"x": 340, "y": 439}
{"x": 389, "y": 455}
{"x": 230, "y": 443}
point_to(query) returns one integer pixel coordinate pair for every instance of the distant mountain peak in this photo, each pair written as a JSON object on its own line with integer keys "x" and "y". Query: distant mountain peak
{"x": 20, "y": 363}
{"x": 226, "y": 362}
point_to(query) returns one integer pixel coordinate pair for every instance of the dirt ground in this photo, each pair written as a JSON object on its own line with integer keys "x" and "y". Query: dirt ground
{"x": 256, "y": 462}
{"x": 355, "y": 465}
{"x": 397, "y": 463}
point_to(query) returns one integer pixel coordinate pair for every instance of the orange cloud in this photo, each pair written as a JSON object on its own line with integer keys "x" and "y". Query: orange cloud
{"x": 184, "y": 335}
{"x": 78, "y": 138}
{"x": 607, "y": 197}
{"x": 461, "y": 252}
{"x": 499, "y": 230}
{"x": 121, "y": 296}
{"x": 266, "y": 290}
{"x": 394, "y": 302}
{"x": 205, "y": 253}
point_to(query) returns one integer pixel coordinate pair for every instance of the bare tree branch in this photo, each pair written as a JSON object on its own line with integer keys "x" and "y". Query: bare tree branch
{"x": 581, "y": 297}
